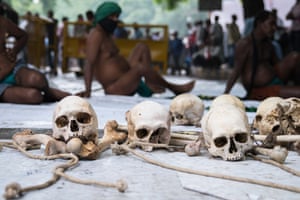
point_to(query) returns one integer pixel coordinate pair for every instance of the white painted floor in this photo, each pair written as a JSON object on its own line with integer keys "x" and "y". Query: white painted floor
{"x": 145, "y": 181}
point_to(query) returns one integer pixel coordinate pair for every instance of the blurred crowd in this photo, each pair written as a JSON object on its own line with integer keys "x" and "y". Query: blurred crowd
{"x": 206, "y": 42}
{"x": 209, "y": 44}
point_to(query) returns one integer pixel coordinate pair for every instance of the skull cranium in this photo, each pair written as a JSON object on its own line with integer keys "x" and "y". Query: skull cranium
{"x": 291, "y": 115}
{"x": 186, "y": 109}
{"x": 226, "y": 130}
{"x": 267, "y": 117}
{"x": 148, "y": 122}
{"x": 75, "y": 117}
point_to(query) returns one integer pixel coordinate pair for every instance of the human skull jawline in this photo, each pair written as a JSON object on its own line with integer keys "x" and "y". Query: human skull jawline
{"x": 234, "y": 154}
{"x": 148, "y": 122}
{"x": 226, "y": 132}
{"x": 77, "y": 126}
{"x": 74, "y": 117}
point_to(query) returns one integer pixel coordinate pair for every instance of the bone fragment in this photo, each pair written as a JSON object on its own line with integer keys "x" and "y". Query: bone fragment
{"x": 279, "y": 138}
{"x": 277, "y": 154}
{"x": 26, "y": 139}
{"x": 74, "y": 145}
{"x": 113, "y": 132}
{"x": 193, "y": 149}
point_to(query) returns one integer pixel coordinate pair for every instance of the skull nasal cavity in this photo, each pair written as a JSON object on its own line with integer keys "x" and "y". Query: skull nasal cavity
{"x": 232, "y": 147}
{"x": 74, "y": 126}
{"x": 275, "y": 128}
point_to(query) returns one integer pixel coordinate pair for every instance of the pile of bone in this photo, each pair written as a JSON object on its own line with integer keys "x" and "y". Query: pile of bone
{"x": 226, "y": 130}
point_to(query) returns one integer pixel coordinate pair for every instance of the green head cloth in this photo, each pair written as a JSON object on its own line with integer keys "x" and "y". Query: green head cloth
{"x": 106, "y": 9}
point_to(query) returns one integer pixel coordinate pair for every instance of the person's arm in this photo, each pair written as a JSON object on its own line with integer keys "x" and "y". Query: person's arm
{"x": 92, "y": 52}
{"x": 20, "y": 36}
{"x": 239, "y": 62}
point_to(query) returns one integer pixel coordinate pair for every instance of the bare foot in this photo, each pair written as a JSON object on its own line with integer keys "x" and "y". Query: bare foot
{"x": 55, "y": 95}
{"x": 156, "y": 88}
{"x": 179, "y": 89}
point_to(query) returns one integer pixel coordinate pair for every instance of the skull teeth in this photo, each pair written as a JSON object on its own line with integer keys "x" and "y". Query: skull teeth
{"x": 234, "y": 157}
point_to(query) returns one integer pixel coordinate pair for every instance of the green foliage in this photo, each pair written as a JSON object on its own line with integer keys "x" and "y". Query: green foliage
{"x": 174, "y": 13}
{"x": 169, "y": 4}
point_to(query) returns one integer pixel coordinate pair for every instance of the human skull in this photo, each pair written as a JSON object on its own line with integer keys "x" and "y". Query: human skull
{"x": 228, "y": 99}
{"x": 148, "y": 122}
{"x": 75, "y": 117}
{"x": 186, "y": 109}
{"x": 267, "y": 117}
{"x": 226, "y": 132}
{"x": 291, "y": 116}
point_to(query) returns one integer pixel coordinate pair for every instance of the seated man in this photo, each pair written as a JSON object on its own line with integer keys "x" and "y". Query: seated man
{"x": 262, "y": 74}
{"x": 116, "y": 74}
{"x": 18, "y": 83}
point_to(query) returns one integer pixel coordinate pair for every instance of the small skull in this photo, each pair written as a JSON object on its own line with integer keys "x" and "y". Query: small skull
{"x": 186, "y": 109}
{"x": 291, "y": 116}
{"x": 268, "y": 116}
{"x": 75, "y": 117}
{"x": 226, "y": 131}
{"x": 148, "y": 122}
{"x": 228, "y": 99}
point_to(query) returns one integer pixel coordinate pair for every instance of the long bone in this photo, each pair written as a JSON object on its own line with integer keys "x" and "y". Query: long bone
{"x": 88, "y": 151}
{"x": 277, "y": 154}
{"x": 279, "y": 138}
{"x": 177, "y": 139}
{"x": 27, "y": 139}
{"x": 91, "y": 151}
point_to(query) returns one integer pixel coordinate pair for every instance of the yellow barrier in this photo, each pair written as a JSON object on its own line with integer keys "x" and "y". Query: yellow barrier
{"x": 36, "y": 50}
{"x": 74, "y": 39}
{"x": 74, "y": 45}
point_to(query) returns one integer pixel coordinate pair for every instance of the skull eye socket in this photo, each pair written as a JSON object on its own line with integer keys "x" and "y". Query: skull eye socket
{"x": 179, "y": 116}
{"x": 83, "y": 118}
{"x": 241, "y": 137}
{"x": 258, "y": 118}
{"x": 61, "y": 121}
{"x": 141, "y": 133}
{"x": 220, "y": 141}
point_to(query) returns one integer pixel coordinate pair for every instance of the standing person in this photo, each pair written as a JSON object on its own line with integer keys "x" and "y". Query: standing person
{"x": 217, "y": 39}
{"x": 294, "y": 15}
{"x": 262, "y": 74}
{"x": 52, "y": 41}
{"x": 118, "y": 75}
{"x": 200, "y": 34}
{"x": 233, "y": 35}
{"x": 60, "y": 37}
{"x": 18, "y": 83}
{"x": 89, "y": 14}
{"x": 250, "y": 9}
{"x": 137, "y": 33}
{"x": 80, "y": 31}
{"x": 176, "y": 48}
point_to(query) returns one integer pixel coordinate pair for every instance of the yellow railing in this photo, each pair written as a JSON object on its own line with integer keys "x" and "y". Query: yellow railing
{"x": 74, "y": 45}
{"x": 36, "y": 50}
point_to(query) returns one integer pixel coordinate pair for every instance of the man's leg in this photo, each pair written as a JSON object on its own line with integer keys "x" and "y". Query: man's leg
{"x": 30, "y": 78}
{"x": 21, "y": 95}
{"x": 289, "y": 68}
{"x": 140, "y": 59}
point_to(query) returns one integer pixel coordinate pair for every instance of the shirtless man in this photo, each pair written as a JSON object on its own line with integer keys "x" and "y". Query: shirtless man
{"x": 262, "y": 74}
{"x": 116, "y": 74}
{"x": 18, "y": 83}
